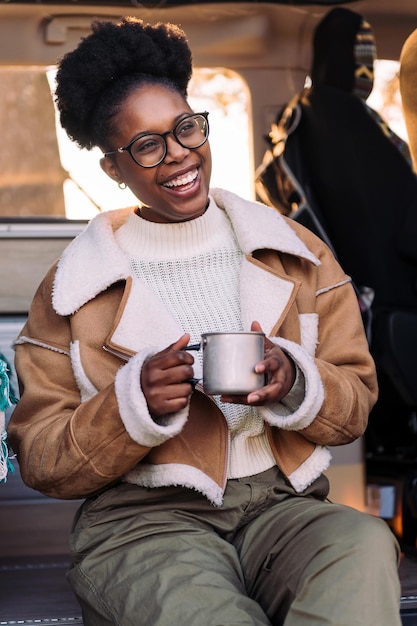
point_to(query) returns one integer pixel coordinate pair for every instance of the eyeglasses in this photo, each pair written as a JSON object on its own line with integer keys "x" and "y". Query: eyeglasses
{"x": 150, "y": 149}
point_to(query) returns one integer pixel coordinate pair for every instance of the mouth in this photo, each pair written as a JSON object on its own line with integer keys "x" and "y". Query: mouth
{"x": 183, "y": 181}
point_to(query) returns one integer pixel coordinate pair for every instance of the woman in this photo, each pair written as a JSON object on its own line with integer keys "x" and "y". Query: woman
{"x": 198, "y": 510}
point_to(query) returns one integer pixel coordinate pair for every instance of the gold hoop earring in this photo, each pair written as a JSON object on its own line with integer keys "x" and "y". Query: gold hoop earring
{"x": 121, "y": 185}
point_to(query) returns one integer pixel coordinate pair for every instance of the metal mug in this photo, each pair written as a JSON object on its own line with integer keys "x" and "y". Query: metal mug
{"x": 229, "y": 361}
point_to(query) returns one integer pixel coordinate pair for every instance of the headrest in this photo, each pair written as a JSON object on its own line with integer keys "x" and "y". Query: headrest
{"x": 344, "y": 52}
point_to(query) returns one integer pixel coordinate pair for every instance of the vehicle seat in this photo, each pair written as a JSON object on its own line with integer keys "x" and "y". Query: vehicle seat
{"x": 358, "y": 191}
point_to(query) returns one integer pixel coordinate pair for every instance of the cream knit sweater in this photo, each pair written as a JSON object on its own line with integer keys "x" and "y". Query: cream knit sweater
{"x": 194, "y": 267}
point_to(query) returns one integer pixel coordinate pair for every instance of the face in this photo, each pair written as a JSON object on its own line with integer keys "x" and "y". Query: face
{"x": 177, "y": 189}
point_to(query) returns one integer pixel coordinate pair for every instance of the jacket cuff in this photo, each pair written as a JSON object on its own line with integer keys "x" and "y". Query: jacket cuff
{"x": 296, "y": 394}
{"x": 297, "y": 411}
{"x": 134, "y": 410}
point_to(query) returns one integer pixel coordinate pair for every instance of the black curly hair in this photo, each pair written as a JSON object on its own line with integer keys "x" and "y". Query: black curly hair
{"x": 94, "y": 79}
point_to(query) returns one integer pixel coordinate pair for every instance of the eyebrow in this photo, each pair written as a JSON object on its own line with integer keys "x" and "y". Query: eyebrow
{"x": 177, "y": 120}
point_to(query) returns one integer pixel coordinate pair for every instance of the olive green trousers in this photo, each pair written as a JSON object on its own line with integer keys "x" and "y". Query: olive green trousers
{"x": 167, "y": 557}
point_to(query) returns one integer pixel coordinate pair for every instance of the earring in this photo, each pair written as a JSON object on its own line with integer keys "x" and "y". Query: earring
{"x": 121, "y": 185}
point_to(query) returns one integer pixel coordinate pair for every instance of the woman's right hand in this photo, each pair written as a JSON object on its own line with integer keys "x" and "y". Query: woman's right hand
{"x": 164, "y": 379}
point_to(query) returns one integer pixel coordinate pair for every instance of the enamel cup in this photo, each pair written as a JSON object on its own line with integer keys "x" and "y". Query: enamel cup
{"x": 229, "y": 361}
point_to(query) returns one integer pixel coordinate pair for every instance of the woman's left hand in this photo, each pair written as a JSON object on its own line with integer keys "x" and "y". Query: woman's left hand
{"x": 279, "y": 373}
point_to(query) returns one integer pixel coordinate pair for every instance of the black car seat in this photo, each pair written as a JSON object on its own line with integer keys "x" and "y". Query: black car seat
{"x": 334, "y": 165}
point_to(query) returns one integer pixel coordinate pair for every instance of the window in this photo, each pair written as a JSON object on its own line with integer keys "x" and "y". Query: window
{"x": 44, "y": 174}
{"x": 385, "y": 97}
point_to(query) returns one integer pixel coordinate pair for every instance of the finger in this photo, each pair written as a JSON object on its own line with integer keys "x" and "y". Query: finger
{"x": 181, "y": 343}
{"x": 273, "y": 392}
{"x": 257, "y": 328}
{"x": 171, "y": 356}
{"x": 169, "y": 400}
{"x": 231, "y": 399}
{"x": 274, "y": 359}
{"x": 276, "y": 389}
{"x": 169, "y": 374}
{"x": 255, "y": 398}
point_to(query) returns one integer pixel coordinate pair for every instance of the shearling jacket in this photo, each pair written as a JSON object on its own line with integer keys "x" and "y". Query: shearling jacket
{"x": 82, "y": 422}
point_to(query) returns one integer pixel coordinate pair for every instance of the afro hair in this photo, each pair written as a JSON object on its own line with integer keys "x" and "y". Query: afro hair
{"x": 113, "y": 54}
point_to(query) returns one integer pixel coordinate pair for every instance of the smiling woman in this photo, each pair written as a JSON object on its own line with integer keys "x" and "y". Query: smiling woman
{"x": 219, "y": 91}
{"x": 110, "y": 409}
{"x": 171, "y": 184}
{"x": 265, "y": 48}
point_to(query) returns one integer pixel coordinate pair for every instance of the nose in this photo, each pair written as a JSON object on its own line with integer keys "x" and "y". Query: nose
{"x": 175, "y": 151}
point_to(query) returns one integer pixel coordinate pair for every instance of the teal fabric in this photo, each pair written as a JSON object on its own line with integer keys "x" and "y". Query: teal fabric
{"x": 7, "y": 398}
{"x": 165, "y": 557}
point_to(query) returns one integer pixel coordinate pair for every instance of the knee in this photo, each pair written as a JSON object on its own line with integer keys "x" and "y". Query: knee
{"x": 372, "y": 537}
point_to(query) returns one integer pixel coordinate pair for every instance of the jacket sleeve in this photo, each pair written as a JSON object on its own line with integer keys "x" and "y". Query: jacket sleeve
{"x": 346, "y": 368}
{"x": 339, "y": 371}
{"x": 68, "y": 447}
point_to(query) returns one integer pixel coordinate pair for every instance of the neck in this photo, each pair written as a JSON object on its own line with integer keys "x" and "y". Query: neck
{"x": 147, "y": 213}
{"x": 154, "y": 240}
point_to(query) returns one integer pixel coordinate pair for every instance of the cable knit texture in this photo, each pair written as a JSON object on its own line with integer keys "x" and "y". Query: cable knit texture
{"x": 194, "y": 268}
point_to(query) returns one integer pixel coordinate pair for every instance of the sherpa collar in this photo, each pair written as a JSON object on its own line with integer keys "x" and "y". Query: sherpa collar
{"x": 93, "y": 261}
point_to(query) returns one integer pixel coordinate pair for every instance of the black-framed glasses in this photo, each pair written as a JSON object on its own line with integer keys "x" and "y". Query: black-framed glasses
{"x": 150, "y": 149}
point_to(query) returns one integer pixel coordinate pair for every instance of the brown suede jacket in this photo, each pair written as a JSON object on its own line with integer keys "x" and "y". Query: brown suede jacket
{"x": 82, "y": 422}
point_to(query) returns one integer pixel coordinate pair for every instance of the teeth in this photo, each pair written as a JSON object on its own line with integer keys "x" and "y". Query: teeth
{"x": 182, "y": 180}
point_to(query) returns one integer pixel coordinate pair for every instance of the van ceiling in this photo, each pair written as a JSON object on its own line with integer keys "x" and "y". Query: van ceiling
{"x": 267, "y": 43}
{"x": 172, "y": 3}
{"x": 249, "y": 34}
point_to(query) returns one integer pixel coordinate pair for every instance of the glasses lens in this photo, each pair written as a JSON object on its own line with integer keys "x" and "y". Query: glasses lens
{"x": 192, "y": 131}
{"x": 148, "y": 150}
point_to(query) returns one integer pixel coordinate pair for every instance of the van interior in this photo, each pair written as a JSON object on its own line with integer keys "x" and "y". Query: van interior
{"x": 250, "y": 59}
